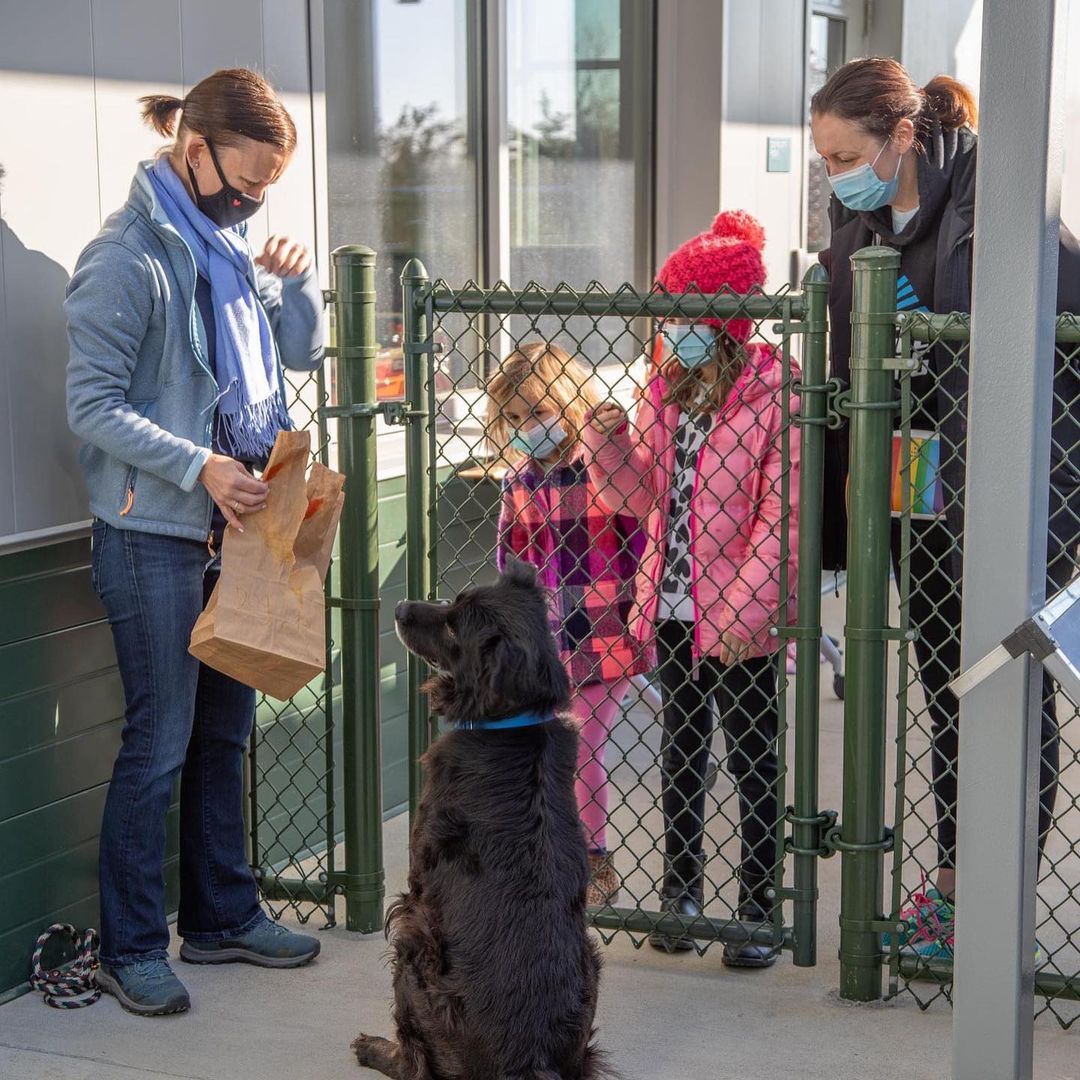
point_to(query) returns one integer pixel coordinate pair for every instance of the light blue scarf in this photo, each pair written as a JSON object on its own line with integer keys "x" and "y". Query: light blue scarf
{"x": 251, "y": 406}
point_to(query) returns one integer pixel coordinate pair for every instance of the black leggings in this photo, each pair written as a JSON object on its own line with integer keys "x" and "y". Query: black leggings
{"x": 744, "y": 696}
{"x": 935, "y": 613}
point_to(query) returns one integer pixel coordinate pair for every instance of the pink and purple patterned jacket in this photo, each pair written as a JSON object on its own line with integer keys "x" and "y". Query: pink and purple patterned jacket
{"x": 587, "y": 558}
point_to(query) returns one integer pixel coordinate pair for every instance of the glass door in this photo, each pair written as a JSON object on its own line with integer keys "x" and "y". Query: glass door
{"x": 835, "y": 33}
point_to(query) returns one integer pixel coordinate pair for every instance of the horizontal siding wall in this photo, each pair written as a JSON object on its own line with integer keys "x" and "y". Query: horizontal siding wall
{"x": 61, "y": 714}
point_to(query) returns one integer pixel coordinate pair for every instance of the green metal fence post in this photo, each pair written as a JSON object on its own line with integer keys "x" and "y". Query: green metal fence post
{"x": 862, "y": 840}
{"x": 813, "y": 416}
{"x": 354, "y": 310}
{"x": 417, "y": 346}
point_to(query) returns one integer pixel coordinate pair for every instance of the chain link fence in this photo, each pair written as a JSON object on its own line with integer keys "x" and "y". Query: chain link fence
{"x": 928, "y": 464}
{"x": 683, "y": 777}
{"x": 691, "y": 783}
{"x": 294, "y": 743}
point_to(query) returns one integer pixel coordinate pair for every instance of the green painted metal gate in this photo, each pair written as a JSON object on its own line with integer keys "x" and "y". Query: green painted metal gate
{"x": 455, "y": 339}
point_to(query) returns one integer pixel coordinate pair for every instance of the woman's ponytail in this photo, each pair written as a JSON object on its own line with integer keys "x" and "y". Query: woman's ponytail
{"x": 159, "y": 111}
{"x": 230, "y": 105}
{"x": 951, "y": 103}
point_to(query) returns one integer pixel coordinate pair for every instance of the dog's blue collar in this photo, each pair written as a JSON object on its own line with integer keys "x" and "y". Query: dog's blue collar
{"x": 525, "y": 719}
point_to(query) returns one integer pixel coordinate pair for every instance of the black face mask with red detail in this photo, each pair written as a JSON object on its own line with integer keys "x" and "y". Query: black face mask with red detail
{"x": 226, "y": 207}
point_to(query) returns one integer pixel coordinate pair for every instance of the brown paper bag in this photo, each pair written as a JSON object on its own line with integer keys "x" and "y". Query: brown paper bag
{"x": 265, "y": 624}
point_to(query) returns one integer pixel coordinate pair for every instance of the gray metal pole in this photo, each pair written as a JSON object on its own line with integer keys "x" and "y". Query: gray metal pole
{"x": 1017, "y": 198}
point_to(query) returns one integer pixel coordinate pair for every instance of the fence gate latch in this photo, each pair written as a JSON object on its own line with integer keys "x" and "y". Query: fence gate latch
{"x": 823, "y": 823}
{"x": 831, "y": 389}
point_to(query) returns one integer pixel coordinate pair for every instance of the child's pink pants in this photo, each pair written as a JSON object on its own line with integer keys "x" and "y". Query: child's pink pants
{"x": 595, "y": 707}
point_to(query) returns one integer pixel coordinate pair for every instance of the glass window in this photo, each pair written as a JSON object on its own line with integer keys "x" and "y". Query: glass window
{"x": 573, "y": 89}
{"x": 566, "y": 141}
{"x": 401, "y": 142}
{"x": 401, "y": 147}
{"x": 579, "y": 116}
{"x": 827, "y": 53}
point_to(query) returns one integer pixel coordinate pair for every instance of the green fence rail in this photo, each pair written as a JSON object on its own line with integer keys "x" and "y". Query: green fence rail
{"x": 808, "y": 823}
{"x": 362, "y": 880}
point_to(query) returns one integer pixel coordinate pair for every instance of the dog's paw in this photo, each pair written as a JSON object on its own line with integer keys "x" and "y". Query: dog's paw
{"x": 375, "y": 1052}
{"x": 364, "y": 1048}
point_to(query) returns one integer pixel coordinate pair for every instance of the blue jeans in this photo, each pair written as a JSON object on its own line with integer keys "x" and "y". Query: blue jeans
{"x": 182, "y": 718}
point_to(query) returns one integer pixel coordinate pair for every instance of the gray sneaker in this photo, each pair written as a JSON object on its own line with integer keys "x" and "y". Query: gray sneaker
{"x": 145, "y": 987}
{"x": 267, "y": 945}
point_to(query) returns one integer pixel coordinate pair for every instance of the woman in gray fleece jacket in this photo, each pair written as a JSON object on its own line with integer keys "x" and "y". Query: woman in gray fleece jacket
{"x": 178, "y": 339}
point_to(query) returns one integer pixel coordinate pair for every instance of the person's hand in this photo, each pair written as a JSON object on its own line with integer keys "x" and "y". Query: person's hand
{"x": 732, "y": 649}
{"x": 284, "y": 257}
{"x": 233, "y": 488}
{"x": 608, "y": 418}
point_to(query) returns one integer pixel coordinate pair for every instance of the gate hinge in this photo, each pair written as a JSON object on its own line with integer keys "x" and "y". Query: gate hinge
{"x": 785, "y": 893}
{"x": 421, "y": 348}
{"x": 844, "y": 405}
{"x": 873, "y": 926}
{"x": 824, "y": 822}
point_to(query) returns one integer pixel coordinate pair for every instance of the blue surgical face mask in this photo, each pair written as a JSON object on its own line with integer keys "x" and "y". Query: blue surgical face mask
{"x": 862, "y": 189}
{"x": 691, "y": 344}
{"x": 541, "y": 440}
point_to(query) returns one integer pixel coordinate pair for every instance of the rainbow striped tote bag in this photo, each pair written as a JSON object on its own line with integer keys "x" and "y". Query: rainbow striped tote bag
{"x": 925, "y": 494}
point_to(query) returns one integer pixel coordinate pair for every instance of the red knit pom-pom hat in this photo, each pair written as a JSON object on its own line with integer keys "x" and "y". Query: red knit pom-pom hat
{"x": 728, "y": 256}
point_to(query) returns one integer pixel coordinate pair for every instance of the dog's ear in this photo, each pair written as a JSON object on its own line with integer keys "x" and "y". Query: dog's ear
{"x": 509, "y": 669}
{"x": 517, "y": 572}
{"x": 519, "y": 676}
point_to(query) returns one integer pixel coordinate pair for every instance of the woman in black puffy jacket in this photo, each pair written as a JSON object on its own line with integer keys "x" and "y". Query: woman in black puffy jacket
{"x": 901, "y": 162}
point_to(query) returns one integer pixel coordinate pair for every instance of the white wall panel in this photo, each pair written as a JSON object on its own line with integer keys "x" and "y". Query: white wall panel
{"x": 71, "y": 72}
{"x": 51, "y": 205}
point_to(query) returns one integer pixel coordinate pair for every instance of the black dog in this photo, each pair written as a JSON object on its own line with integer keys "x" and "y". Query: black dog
{"x": 495, "y": 977}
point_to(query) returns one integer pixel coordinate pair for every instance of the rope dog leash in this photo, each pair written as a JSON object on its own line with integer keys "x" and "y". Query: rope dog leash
{"x": 76, "y": 986}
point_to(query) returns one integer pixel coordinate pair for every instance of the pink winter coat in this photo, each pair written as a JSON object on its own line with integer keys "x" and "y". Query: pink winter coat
{"x": 736, "y": 507}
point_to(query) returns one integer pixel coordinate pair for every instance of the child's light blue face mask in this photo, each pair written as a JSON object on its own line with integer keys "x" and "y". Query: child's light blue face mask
{"x": 691, "y": 344}
{"x": 541, "y": 440}
{"x": 862, "y": 189}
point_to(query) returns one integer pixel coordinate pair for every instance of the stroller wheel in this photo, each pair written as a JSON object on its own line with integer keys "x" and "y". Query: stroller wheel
{"x": 838, "y": 686}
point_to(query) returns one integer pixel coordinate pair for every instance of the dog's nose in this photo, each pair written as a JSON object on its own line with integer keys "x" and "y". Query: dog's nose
{"x": 400, "y": 609}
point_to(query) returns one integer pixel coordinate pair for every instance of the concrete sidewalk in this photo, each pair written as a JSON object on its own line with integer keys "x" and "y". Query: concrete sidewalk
{"x": 676, "y": 1017}
{"x": 680, "y": 1017}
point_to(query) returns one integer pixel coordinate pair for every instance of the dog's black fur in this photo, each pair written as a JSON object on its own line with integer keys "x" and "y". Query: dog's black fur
{"x": 495, "y": 977}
